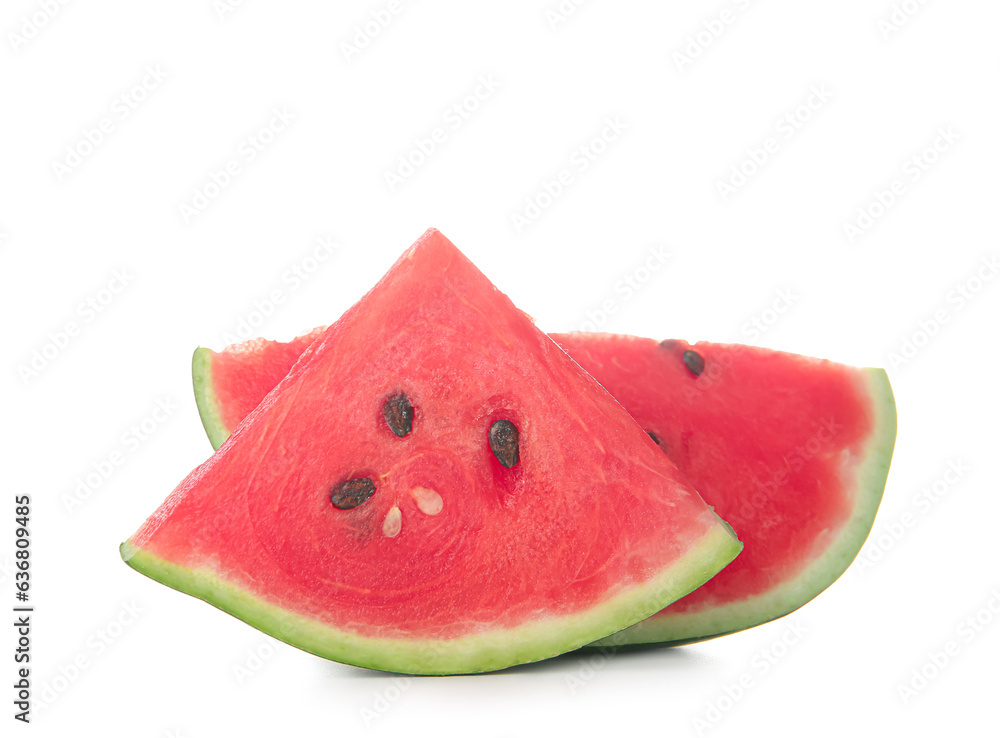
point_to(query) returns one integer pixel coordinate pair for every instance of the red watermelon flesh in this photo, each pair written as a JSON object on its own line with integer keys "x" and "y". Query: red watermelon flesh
{"x": 253, "y": 369}
{"x": 452, "y": 562}
{"x": 792, "y": 451}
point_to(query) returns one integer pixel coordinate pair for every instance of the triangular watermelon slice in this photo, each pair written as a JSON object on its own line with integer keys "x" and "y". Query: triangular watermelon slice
{"x": 434, "y": 488}
{"x": 792, "y": 451}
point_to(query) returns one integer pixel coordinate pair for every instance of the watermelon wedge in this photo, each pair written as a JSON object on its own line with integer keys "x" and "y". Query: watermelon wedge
{"x": 253, "y": 369}
{"x": 792, "y": 451}
{"x": 434, "y": 488}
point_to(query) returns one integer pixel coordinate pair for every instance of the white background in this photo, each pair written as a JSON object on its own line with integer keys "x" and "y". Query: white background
{"x": 172, "y": 670}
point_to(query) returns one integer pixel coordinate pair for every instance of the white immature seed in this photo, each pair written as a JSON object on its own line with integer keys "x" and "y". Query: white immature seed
{"x": 393, "y": 523}
{"x": 428, "y": 500}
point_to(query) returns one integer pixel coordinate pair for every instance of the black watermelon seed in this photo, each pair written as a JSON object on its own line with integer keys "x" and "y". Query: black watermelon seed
{"x": 352, "y": 492}
{"x": 694, "y": 361}
{"x": 668, "y": 343}
{"x": 398, "y": 414}
{"x": 657, "y": 441}
{"x": 503, "y": 441}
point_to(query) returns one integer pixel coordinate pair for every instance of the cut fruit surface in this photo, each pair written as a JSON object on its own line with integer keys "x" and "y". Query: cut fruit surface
{"x": 251, "y": 369}
{"x": 365, "y": 512}
{"x": 792, "y": 451}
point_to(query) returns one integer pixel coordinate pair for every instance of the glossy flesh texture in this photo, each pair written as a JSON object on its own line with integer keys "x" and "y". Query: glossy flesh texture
{"x": 592, "y": 530}
{"x": 251, "y": 369}
{"x": 792, "y": 451}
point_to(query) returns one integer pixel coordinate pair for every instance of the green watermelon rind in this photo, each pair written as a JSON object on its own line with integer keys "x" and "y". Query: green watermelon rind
{"x": 204, "y": 396}
{"x": 694, "y": 627}
{"x": 870, "y": 479}
{"x": 489, "y": 650}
